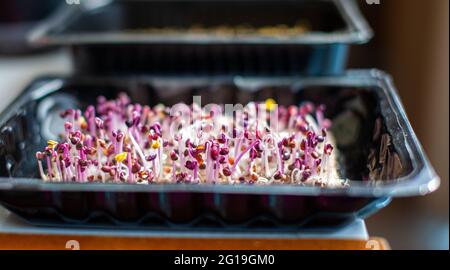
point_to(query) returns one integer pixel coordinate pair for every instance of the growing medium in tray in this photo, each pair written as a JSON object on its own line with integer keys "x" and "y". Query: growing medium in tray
{"x": 117, "y": 141}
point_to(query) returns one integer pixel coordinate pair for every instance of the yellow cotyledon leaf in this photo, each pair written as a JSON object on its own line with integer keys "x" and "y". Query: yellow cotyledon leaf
{"x": 271, "y": 104}
{"x": 121, "y": 157}
{"x": 52, "y": 144}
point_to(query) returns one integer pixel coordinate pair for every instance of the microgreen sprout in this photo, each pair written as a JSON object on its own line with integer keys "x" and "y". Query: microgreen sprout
{"x": 118, "y": 141}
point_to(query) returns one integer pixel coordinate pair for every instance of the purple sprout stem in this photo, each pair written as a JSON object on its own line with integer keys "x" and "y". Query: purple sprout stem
{"x": 236, "y": 162}
{"x": 291, "y": 121}
{"x": 67, "y": 171}
{"x": 66, "y": 152}
{"x": 88, "y": 140}
{"x": 120, "y": 145}
{"x": 116, "y": 173}
{"x": 79, "y": 173}
{"x": 91, "y": 122}
{"x": 83, "y": 175}
{"x": 82, "y": 154}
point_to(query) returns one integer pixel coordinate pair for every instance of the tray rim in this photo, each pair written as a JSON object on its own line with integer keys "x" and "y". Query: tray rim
{"x": 13, "y": 223}
{"x": 357, "y": 31}
{"x": 420, "y": 181}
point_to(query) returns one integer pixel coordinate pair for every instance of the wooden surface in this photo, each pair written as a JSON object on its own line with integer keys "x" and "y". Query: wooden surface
{"x": 55, "y": 242}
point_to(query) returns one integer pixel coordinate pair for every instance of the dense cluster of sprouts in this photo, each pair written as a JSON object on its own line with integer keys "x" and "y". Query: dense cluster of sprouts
{"x": 120, "y": 142}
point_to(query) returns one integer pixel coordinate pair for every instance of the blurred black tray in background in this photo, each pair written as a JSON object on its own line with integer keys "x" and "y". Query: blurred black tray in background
{"x": 17, "y": 18}
{"x": 187, "y": 36}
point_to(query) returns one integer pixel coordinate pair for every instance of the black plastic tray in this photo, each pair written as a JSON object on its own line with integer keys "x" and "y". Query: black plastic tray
{"x": 366, "y": 95}
{"x": 111, "y": 38}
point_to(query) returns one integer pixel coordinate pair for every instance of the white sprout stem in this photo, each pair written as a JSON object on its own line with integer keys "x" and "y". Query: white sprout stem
{"x": 267, "y": 151}
{"x": 49, "y": 169}
{"x": 294, "y": 175}
{"x": 280, "y": 167}
{"x": 69, "y": 172}
{"x": 41, "y": 171}
{"x": 138, "y": 150}
{"x": 181, "y": 154}
{"x": 266, "y": 163}
{"x": 124, "y": 168}
{"x": 238, "y": 145}
{"x": 263, "y": 180}
{"x": 154, "y": 167}
{"x": 324, "y": 167}
{"x": 228, "y": 178}
{"x": 160, "y": 163}
{"x": 102, "y": 133}
{"x": 58, "y": 170}
{"x": 208, "y": 164}
{"x": 63, "y": 170}
{"x": 116, "y": 174}
{"x": 99, "y": 156}
{"x": 77, "y": 170}
{"x": 120, "y": 144}
{"x": 216, "y": 175}
{"x": 129, "y": 163}
{"x": 263, "y": 163}
{"x": 174, "y": 170}
{"x": 102, "y": 176}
